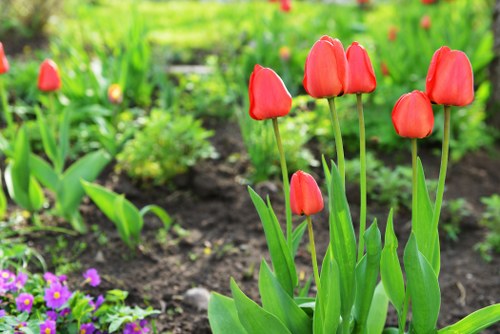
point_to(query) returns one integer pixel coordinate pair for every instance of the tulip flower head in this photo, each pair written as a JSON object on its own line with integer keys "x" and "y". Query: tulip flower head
{"x": 286, "y": 5}
{"x": 412, "y": 115}
{"x": 392, "y": 34}
{"x": 384, "y": 69}
{"x": 115, "y": 94}
{"x": 326, "y": 70}
{"x": 48, "y": 77}
{"x": 450, "y": 80}
{"x": 269, "y": 97}
{"x": 4, "y": 63}
{"x": 428, "y": 2}
{"x": 361, "y": 75}
{"x": 305, "y": 196}
{"x": 363, "y": 2}
{"x": 425, "y": 22}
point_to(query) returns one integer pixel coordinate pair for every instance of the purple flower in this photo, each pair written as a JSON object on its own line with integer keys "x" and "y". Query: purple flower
{"x": 24, "y": 302}
{"x": 56, "y": 295}
{"x": 87, "y": 328}
{"x": 48, "y": 327}
{"x": 20, "y": 281}
{"x": 2, "y": 313}
{"x": 7, "y": 280}
{"x": 52, "y": 315}
{"x": 92, "y": 277}
{"x": 50, "y": 278}
{"x": 62, "y": 278}
{"x": 99, "y": 301}
{"x": 133, "y": 328}
{"x": 64, "y": 312}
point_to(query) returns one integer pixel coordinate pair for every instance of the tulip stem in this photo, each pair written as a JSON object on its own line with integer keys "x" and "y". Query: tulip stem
{"x": 338, "y": 139}
{"x": 414, "y": 179}
{"x": 362, "y": 176}
{"x": 313, "y": 252}
{"x": 286, "y": 184}
{"x": 6, "y": 111}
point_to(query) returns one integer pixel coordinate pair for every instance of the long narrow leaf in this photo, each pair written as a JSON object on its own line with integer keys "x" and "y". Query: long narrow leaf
{"x": 48, "y": 140}
{"x": 297, "y": 235}
{"x": 129, "y": 216}
{"x": 44, "y": 172}
{"x": 223, "y": 315}
{"x": 475, "y": 322}
{"x": 378, "y": 311}
{"x": 160, "y": 213}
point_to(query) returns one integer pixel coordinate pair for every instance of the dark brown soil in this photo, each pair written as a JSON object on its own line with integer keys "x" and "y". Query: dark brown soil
{"x": 226, "y": 239}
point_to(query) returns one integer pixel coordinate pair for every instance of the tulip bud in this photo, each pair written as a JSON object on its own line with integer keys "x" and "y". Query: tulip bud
{"x": 269, "y": 97}
{"x": 392, "y": 33}
{"x": 115, "y": 94}
{"x": 4, "y": 63}
{"x": 361, "y": 76}
{"x": 305, "y": 196}
{"x": 48, "y": 78}
{"x": 385, "y": 69}
{"x": 326, "y": 69}
{"x": 425, "y": 22}
{"x": 450, "y": 80}
{"x": 412, "y": 115}
{"x": 428, "y": 2}
{"x": 286, "y": 5}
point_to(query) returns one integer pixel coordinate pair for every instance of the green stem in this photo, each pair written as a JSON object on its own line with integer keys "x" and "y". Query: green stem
{"x": 444, "y": 167}
{"x": 313, "y": 252}
{"x": 338, "y": 139}
{"x": 53, "y": 119}
{"x": 414, "y": 179}
{"x": 362, "y": 176}
{"x": 286, "y": 185}
{"x": 402, "y": 318}
{"x": 6, "y": 111}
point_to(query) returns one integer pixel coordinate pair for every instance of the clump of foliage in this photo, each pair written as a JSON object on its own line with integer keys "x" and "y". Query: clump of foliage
{"x": 167, "y": 146}
{"x": 491, "y": 220}
{"x": 457, "y": 209}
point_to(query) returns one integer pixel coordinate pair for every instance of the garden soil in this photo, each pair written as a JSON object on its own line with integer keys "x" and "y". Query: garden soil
{"x": 225, "y": 238}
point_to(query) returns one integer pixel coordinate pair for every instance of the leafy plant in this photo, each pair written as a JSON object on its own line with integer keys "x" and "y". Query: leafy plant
{"x": 457, "y": 210}
{"x": 490, "y": 220}
{"x": 168, "y": 145}
{"x": 128, "y": 220}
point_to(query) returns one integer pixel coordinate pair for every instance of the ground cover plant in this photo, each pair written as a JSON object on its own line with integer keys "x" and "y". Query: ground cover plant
{"x": 117, "y": 109}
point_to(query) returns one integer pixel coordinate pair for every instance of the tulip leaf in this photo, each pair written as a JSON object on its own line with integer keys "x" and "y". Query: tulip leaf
{"x": 3, "y": 201}
{"x": 378, "y": 311}
{"x": 48, "y": 140}
{"x": 390, "y": 268}
{"x": 276, "y": 301}
{"x": 160, "y": 213}
{"x": 366, "y": 276}
{"x": 427, "y": 235}
{"x": 326, "y": 317}
{"x": 223, "y": 315}
{"x": 64, "y": 137}
{"x": 35, "y": 194}
{"x": 342, "y": 238}
{"x": 297, "y": 235}
{"x": 475, "y": 322}
{"x": 129, "y": 216}
{"x": 423, "y": 288}
{"x": 281, "y": 256}
{"x": 44, "y": 173}
{"x": 254, "y": 318}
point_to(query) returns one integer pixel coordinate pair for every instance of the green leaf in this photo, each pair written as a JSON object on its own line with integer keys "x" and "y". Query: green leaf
{"x": 378, "y": 311}
{"x": 423, "y": 287}
{"x": 475, "y": 322}
{"x": 254, "y": 318}
{"x": 281, "y": 256}
{"x": 326, "y": 317}
{"x": 70, "y": 191}
{"x": 160, "y": 213}
{"x": 390, "y": 268}
{"x": 276, "y": 301}
{"x": 366, "y": 276}
{"x": 129, "y": 216}
{"x": 44, "y": 173}
{"x": 297, "y": 235}
{"x": 64, "y": 137}
{"x": 3, "y": 201}
{"x": 48, "y": 140}
{"x": 36, "y": 194}
{"x": 223, "y": 315}
{"x": 342, "y": 239}
{"x": 427, "y": 235}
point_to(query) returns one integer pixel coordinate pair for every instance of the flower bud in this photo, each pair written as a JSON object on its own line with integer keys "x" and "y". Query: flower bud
{"x": 115, "y": 94}
{"x": 392, "y": 34}
{"x": 48, "y": 78}
{"x": 428, "y": 2}
{"x": 4, "y": 63}
{"x": 286, "y": 5}
{"x": 305, "y": 196}
{"x": 384, "y": 69}
{"x": 361, "y": 76}
{"x": 450, "y": 80}
{"x": 425, "y": 22}
{"x": 269, "y": 97}
{"x": 412, "y": 115}
{"x": 326, "y": 69}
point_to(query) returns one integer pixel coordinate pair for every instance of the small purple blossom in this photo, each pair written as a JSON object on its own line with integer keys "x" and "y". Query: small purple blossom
{"x": 62, "y": 278}
{"x": 87, "y": 328}
{"x": 64, "y": 312}
{"x": 52, "y": 315}
{"x": 99, "y": 301}
{"x": 48, "y": 327}
{"x": 7, "y": 280}
{"x": 134, "y": 328}
{"x": 92, "y": 277}
{"x": 20, "y": 281}
{"x": 2, "y": 313}
{"x": 50, "y": 278}
{"x": 24, "y": 302}
{"x": 56, "y": 295}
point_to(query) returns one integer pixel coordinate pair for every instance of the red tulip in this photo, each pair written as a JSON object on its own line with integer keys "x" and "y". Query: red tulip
{"x": 385, "y": 69}
{"x": 305, "y": 196}
{"x": 362, "y": 2}
{"x": 4, "y": 63}
{"x": 269, "y": 97}
{"x": 425, "y": 22}
{"x": 48, "y": 78}
{"x": 428, "y": 2}
{"x": 115, "y": 94}
{"x": 392, "y": 33}
{"x": 450, "y": 80}
{"x": 326, "y": 69}
{"x": 286, "y": 5}
{"x": 361, "y": 76}
{"x": 412, "y": 115}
